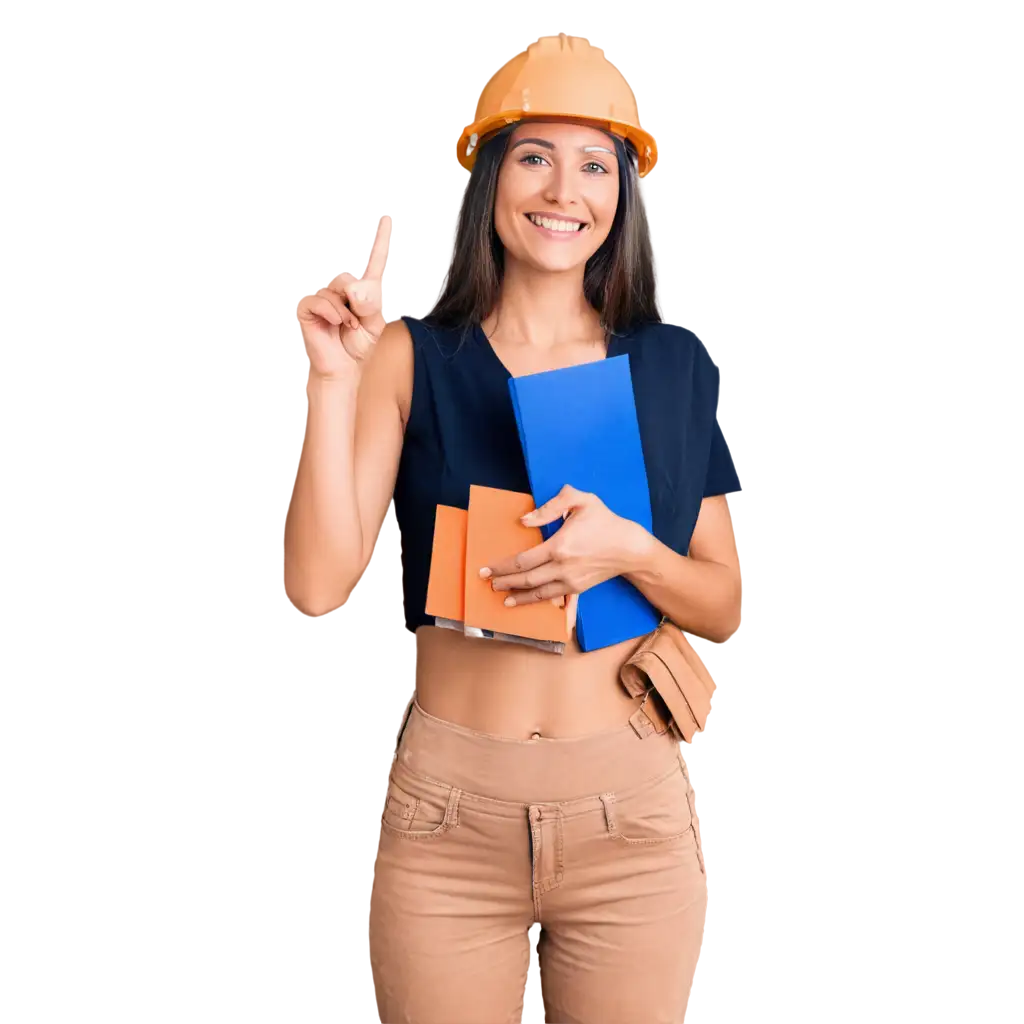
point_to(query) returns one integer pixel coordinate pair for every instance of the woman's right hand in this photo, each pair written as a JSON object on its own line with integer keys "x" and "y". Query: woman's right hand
{"x": 342, "y": 322}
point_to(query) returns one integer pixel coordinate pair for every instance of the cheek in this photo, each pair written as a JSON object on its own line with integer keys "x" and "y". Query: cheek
{"x": 604, "y": 204}
{"x": 505, "y": 206}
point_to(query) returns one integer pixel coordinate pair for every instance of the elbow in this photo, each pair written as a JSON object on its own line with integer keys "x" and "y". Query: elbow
{"x": 729, "y": 623}
{"x": 317, "y": 593}
{"x": 315, "y": 603}
{"x": 727, "y": 629}
{"x": 320, "y": 605}
{"x": 726, "y": 622}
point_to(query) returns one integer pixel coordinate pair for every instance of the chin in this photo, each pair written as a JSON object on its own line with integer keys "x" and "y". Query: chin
{"x": 550, "y": 257}
{"x": 553, "y": 262}
{"x": 556, "y": 257}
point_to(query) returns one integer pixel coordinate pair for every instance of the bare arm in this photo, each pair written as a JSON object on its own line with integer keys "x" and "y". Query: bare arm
{"x": 359, "y": 390}
{"x": 346, "y": 476}
{"x": 700, "y": 591}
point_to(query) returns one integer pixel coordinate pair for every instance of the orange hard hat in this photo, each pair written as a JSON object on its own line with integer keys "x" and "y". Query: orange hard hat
{"x": 559, "y": 77}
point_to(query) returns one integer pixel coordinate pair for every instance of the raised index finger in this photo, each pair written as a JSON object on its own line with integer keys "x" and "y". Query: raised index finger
{"x": 379, "y": 252}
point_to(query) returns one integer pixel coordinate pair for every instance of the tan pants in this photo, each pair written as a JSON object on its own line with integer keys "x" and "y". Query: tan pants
{"x": 595, "y": 837}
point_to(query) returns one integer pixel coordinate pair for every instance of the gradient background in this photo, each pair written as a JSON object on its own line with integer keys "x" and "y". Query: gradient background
{"x": 192, "y": 772}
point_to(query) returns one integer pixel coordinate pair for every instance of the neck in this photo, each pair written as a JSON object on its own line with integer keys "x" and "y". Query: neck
{"x": 542, "y": 308}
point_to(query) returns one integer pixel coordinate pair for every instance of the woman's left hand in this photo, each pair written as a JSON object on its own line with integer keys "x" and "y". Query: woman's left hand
{"x": 593, "y": 545}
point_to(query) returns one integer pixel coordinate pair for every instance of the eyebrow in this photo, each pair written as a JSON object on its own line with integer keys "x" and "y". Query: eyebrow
{"x": 551, "y": 145}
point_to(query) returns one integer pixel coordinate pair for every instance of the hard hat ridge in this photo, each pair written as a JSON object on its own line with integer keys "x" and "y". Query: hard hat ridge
{"x": 559, "y": 77}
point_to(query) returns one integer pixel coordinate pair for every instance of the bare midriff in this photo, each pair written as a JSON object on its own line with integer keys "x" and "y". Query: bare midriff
{"x": 509, "y": 689}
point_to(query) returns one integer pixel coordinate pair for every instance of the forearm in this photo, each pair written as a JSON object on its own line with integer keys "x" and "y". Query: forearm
{"x": 699, "y": 596}
{"x": 323, "y": 533}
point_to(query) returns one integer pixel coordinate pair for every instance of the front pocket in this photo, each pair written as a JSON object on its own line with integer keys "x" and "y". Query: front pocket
{"x": 418, "y": 808}
{"x": 657, "y": 813}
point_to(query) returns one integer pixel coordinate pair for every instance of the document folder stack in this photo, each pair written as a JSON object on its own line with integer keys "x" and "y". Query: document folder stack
{"x": 466, "y": 540}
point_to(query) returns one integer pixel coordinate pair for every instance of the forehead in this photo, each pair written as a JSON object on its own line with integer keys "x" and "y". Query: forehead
{"x": 563, "y": 133}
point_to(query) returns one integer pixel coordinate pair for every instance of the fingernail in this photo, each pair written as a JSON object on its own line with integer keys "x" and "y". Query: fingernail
{"x": 485, "y": 573}
{"x": 509, "y": 602}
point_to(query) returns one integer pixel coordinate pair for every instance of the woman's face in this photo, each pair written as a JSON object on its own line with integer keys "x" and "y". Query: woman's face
{"x": 556, "y": 176}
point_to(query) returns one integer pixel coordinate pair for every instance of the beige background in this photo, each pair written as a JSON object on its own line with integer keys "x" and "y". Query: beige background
{"x": 188, "y": 776}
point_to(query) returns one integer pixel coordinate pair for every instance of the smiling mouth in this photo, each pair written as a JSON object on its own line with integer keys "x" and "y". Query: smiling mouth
{"x": 560, "y": 225}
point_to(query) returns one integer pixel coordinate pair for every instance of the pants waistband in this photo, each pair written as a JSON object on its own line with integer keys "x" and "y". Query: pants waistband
{"x": 533, "y": 770}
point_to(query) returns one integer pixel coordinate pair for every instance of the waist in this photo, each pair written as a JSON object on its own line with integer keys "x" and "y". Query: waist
{"x": 533, "y": 770}
{"x": 507, "y": 689}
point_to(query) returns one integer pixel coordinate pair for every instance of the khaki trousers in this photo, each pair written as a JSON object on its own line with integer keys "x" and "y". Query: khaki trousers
{"x": 594, "y": 837}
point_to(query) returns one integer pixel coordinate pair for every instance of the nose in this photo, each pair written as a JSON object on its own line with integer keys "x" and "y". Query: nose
{"x": 560, "y": 188}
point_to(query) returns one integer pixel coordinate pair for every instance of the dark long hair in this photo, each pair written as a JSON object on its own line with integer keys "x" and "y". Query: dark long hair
{"x": 618, "y": 280}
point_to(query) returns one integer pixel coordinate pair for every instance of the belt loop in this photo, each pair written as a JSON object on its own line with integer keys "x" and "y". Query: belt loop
{"x": 405, "y": 721}
{"x": 647, "y": 718}
{"x": 451, "y": 812}
{"x": 642, "y": 725}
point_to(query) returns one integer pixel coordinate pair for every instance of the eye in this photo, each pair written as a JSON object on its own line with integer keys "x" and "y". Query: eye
{"x": 531, "y": 156}
{"x": 600, "y": 167}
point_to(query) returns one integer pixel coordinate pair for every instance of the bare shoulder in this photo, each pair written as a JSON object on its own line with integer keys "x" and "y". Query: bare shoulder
{"x": 389, "y": 368}
{"x": 395, "y": 343}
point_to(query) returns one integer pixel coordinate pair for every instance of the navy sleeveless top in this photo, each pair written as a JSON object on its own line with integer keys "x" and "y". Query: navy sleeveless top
{"x": 462, "y": 430}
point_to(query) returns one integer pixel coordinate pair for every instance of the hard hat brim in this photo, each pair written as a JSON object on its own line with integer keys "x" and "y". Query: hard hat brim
{"x": 478, "y": 132}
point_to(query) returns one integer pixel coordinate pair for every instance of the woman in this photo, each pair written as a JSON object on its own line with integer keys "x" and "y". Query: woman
{"x": 526, "y": 786}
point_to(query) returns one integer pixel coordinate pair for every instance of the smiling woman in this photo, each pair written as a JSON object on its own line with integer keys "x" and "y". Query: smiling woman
{"x": 560, "y": 173}
{"x": 526, "y": 786}
{"x": 579, "y": 210}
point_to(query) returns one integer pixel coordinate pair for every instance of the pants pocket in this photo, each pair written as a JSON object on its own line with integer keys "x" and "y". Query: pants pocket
{"x": 416, "y": 807}
{"x": 657, "y": 812}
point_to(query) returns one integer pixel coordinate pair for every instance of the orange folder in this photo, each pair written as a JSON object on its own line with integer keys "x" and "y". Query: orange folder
{"x": 446, "y": 586}
{"x": 493, "y": 532}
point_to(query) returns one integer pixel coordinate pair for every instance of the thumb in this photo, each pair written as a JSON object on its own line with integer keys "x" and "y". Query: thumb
{"x": 557, "y": 508}
{"x": 364, "y": 299}
{"x": 571, "y": 603}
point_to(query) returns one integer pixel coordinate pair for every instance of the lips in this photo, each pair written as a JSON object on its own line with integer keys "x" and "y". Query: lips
{"x": 558, "y": 225}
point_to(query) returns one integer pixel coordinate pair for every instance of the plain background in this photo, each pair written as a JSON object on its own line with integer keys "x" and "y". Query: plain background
{"x": 188, "y": 776}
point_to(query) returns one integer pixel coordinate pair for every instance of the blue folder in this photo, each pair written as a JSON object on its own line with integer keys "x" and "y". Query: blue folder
{"x": 578, "y": 426}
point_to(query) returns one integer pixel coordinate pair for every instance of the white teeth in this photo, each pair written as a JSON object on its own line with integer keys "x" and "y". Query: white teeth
{"x": 555, "y": 225}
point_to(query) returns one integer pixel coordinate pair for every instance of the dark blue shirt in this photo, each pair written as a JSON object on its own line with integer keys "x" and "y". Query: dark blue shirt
{"x": 462, "y": 431}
